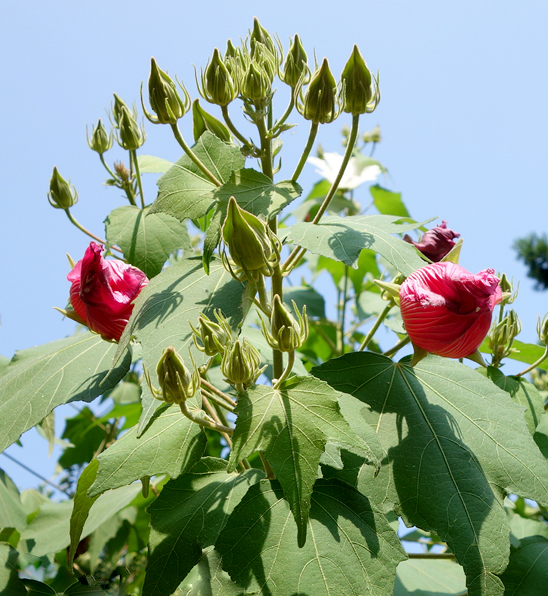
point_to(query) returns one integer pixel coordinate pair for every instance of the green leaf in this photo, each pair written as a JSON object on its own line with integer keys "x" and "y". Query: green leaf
{"x": 49, "y": 532}
{"x": 306, "y": 295}
{"x": 208, "y": 577}
{"x": 343, "y": 239}
{"x": 148, "y": 164}
{"x": 527, "y": 572}
{"x": 184, "y": 190}
{"x": 171, "y": 445}
{"x": 10, "y": 584}
{"x": 292, "y": 425}
{"x": 82, "y": 506}
{"x": 388, "y": 202}
{"x": 187, "y": 517}
{"x": 443, "y": 425}
{"x": 253, "y": 192}
{"x": 42, "y": 378}
{"x": 146, "y": 239}
{"x": 12, "y": 512}
{"x": 3, "y": 363}
{"x": 36, "y": 588}
{"x": 86, "y": 435}
{"x": 165, "y": 308}
{"x": 423, "y": 577}
{"x": 352, "y": 551}
{"x": 522, "y": 527}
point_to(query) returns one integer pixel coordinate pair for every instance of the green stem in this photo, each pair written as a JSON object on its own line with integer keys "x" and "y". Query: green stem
{"x": 403, "y": 342}
{"x": 133, "y": 157}
{"x": 201, "y": 418}
{"x": 266, "y": 149}
{"x": 55, "y": 486}
{"x": 539, "y": 361}
{"x": 111, "y": 173}
{"x": 342, "y": 313}
{"x": 285, "y": 115}
{"x": 232, "y": 128}
{"x": 373, "y": 329}
{"x": 287, "y": 371}
{"x": 81, "y": 228}
{"x": 196, "y": 160}
{"x": 277, "y": 356}
{"x": 308, "y": 148}
{"x": 263, "y": 297}
{"x": 215, "y": 398}
{"x": 212, "y": 389}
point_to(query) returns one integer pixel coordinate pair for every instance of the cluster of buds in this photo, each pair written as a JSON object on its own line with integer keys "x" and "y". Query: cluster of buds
{"x": 129, "y": 135}
{"x": 62, "y": 194}
{"x": 241, "y": 364}
{"x": 254, "y": 249}
{"x": 372, "y": 136}
{"x": 502, "y": 335}
{"x": 177, "y": 383}
{"x": 286, "y": 333}
{"x": 214, "y": 337}
{"x": 164, "y": 98}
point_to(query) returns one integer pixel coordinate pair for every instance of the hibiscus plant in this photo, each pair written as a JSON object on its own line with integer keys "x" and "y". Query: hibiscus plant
{"x": 255, "y": 440}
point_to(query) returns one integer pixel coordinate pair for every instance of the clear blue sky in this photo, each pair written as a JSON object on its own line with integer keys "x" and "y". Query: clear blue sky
{"x": 463, "y": 117}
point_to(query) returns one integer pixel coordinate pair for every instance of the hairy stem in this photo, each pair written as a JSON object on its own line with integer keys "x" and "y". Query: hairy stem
{"x": 212, "y": 389}
{"x": 201, "y": 418}
{"x": 287, "y": 371}
{"x": 232, "y": 128}
{"x": 215, "y": 398}
{"x": 306, "y": 152}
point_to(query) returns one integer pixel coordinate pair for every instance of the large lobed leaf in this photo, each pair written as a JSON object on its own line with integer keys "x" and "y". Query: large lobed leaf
{"x": 187, "y": 517}
{"x": 343, "y": 239}
{"x": 146, "y": 240}
{"x": 167, "y": 306}
{"x": 351, "y": 551}
{"x": 184, "y": 190}
{"x": 292, "y": 425}
{"x": 39, "y": 379}
{"x": 454, "y": 445}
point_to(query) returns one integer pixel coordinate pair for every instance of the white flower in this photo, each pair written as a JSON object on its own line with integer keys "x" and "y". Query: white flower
{"x": 356, "y": 172}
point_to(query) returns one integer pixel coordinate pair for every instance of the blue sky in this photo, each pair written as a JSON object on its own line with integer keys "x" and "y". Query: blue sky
{"x": 463, "y": 118}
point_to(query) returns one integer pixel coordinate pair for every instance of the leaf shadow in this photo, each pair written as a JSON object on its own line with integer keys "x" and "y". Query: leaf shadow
{"x": 347, "y": 243}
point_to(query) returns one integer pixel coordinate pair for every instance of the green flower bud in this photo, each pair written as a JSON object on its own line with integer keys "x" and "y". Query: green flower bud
{"x": 502, "y": 336}
{"x": 360, "y": 90}
{"x": 164, "y": 99}
{"x": 214, "y": 336}
{"x": 287, "y": 334}
{"x": 542, "y": 330}
{"x": 177, "y": 383}
{"x": 376, "y": 136}
{"x": 253, "y": 247}
{"x": 62, "y": 195}
{"x": 218, "y": 87}
{"x": 241, "y": 364}
{"x": 203, "y": 121}
{"x": 320, "y": 100}
{"x": 231, "y": 50}
{"x": 296, "y": 71}
{"x": 100, "y": 141}
{"x": 507, "y": 287}
{"x": 255, "y": 83}
{"x": 130, "y": 137}
{"x": 117, "y": 109}
{"x": 260, "y": 35}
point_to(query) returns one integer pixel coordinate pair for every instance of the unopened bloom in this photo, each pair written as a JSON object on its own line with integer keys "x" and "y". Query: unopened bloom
{"x": 355, "y": 174}
{"x": 103, "y": 291}
{"x": 446, "y": 310}
{"x": 435, "y": 243}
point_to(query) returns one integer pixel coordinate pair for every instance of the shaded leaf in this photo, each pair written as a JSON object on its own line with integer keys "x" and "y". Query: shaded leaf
{"x": 351, "y": 551}
{"x": 36, "y": 588}
{"x": 343, "y": 239}
{"x": 187, "y": 517}
{"x": 42, "y": 378}
{"x": 184, "y": 190}
{"x": 292, "y": 425}
{"x": 171, "y": 445}
{"x": 165, "y": 308}
{"x": 527, "y": 571}
{"x": 146, "y": 239}
{"x": 85, "y": 434}
{"x": 10, "y": 584}
{"x": 306, "y": 295}
{"x": 208, "y": 577}
{"x": 444, "y": 425}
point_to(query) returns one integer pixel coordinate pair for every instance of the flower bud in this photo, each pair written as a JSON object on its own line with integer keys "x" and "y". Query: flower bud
{"x": 241, "y": 364}
{"x": 360, "y": 91}
{"x": 255, "y": 83}
{"x": 62, "y": 195}
{"x": 117, "y": 109}
{"x": 130, "y": 137}
{"x": 260, "y": 35}
{"x": 177, "y": 383}
{"x": 218, "y": 87}
{"x": 376, "y": 136}
{"x": 214, "y": 336}
{"x": 507, "y": 287}
{"x": 100, "y": 141}
{"x": 296, "y": 71}
{"x": 253, "y": 247}
{"x": 164, "y": 99}
{"x": 320, "y": 99}
{"x": 502, "y": 336}
{"x": 287, "y": 334}
{"x": 436, "y": 243}
{"x": 542, "y": 330}
{"x": 203, "y": 121}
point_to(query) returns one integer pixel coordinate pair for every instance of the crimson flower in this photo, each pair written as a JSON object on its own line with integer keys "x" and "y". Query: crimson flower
{"x": 435, "y": 243}
{"x": 446, "y": 310}
{"x": 102, "y": 292}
